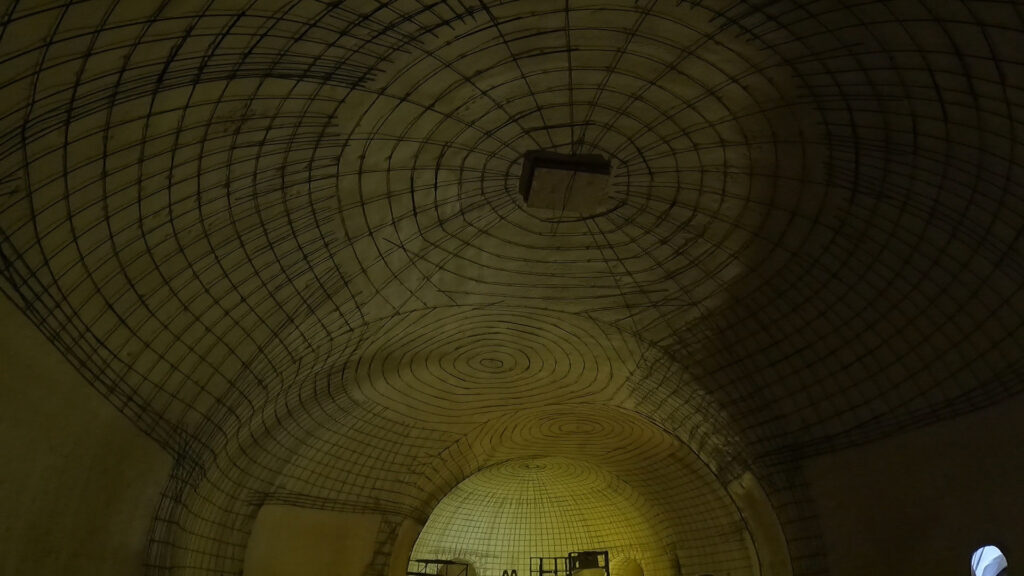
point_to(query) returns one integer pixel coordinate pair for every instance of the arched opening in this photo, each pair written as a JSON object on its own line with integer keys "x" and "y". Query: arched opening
{"x": 988, "y": 561}
{"x": 580, "y": 478}
{"x": 545, "y": 507}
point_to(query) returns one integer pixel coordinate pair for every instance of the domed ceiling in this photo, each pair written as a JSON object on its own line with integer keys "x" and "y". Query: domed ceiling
{"x": 286, "y": 239}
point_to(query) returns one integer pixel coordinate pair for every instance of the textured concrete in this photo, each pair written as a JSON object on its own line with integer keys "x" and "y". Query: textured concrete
{"x": 922, "y": 502}
{"x": 79, "y": 485}
{"x": 290, "y": 541}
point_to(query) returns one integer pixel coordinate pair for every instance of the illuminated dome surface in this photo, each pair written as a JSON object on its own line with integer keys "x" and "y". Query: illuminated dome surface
{"x": 285, "y": 240}
{"x": 501, "y": 516}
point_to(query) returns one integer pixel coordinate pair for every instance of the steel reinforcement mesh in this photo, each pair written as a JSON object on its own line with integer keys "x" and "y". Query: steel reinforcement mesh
{"x": 285, "y": 239}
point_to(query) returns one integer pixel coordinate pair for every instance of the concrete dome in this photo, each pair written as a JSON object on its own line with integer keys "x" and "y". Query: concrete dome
{"x": 286, "y": 241}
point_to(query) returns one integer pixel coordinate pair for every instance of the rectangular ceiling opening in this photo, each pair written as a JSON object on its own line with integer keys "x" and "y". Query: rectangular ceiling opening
{"x": 565, "y": 182}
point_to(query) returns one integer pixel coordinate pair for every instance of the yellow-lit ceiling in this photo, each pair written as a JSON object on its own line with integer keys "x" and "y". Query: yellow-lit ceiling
{"x": 285, "y": 239}
{"x": 509, "y": 512}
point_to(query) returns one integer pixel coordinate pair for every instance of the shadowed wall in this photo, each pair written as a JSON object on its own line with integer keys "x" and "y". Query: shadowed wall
{"x": 79, "y": 485}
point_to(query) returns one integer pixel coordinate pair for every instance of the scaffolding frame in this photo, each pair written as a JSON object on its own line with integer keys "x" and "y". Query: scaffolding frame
{"x": 566, "y": 565}
{"x": 438, "y": 564}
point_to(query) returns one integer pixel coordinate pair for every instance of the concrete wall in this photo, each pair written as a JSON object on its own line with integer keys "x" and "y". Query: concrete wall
{"x": 401, "y": 552}
{"x": 768, "y": 540}
{"x": 920, "y": 503}
{"x": 79, "y": 484}
{"x": 290, "y": 541}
